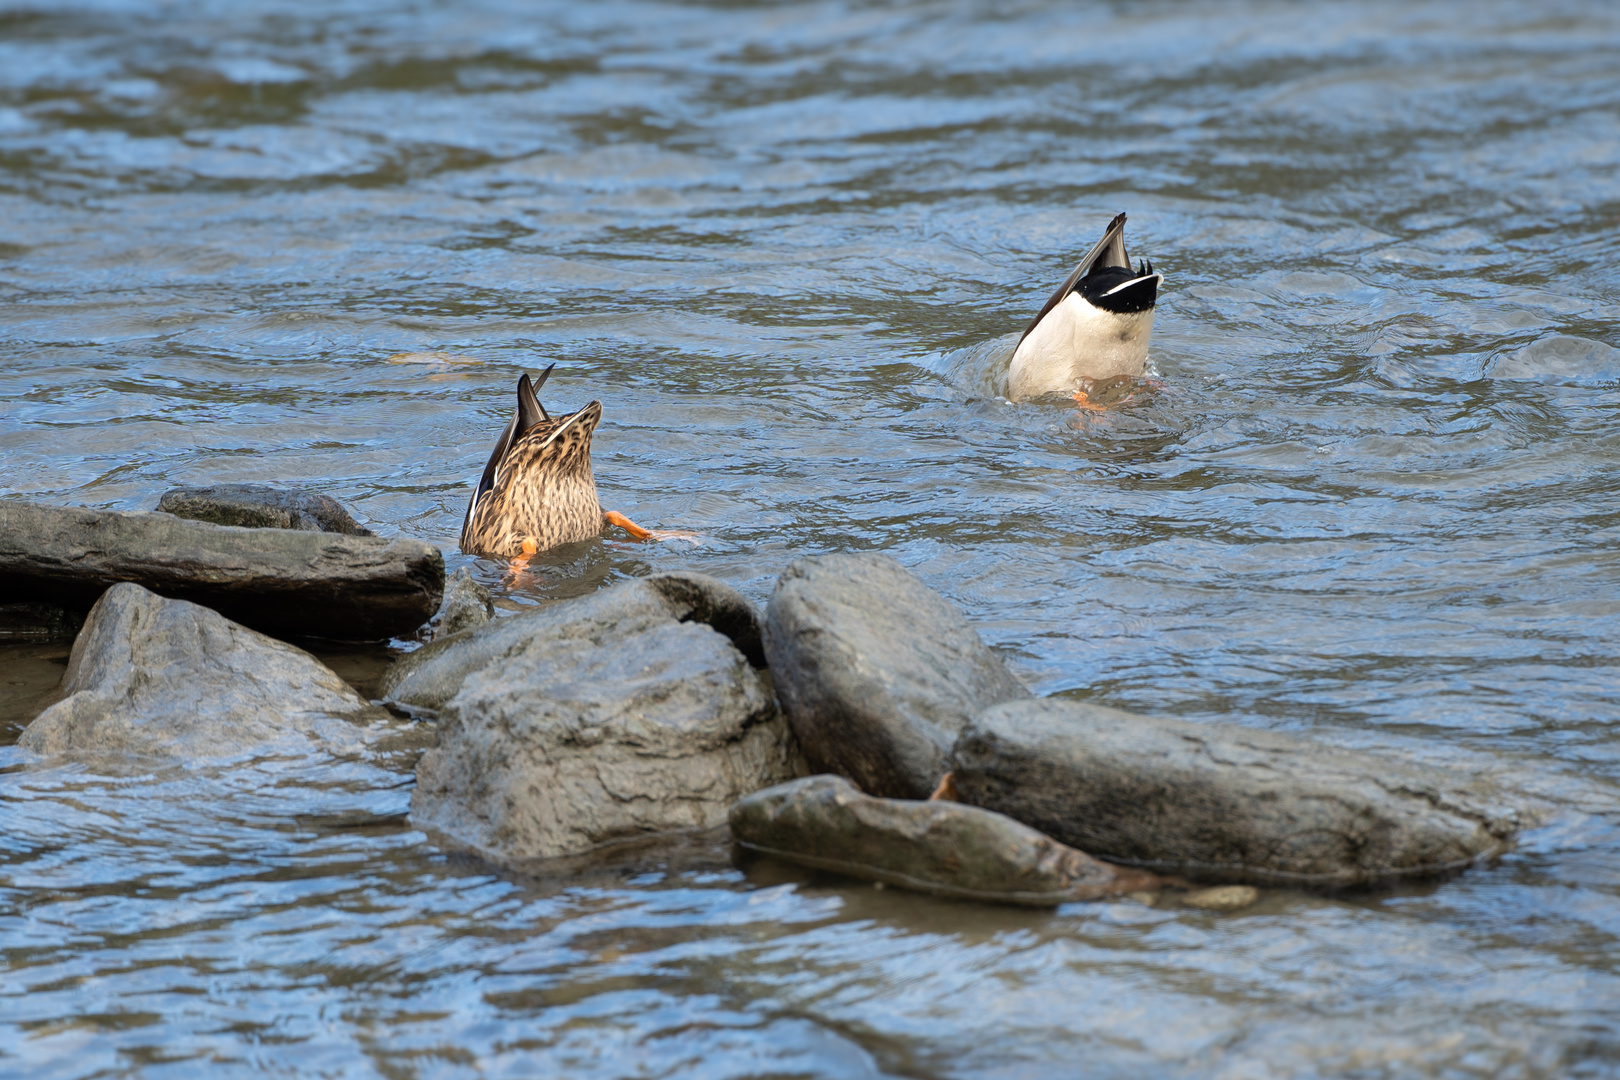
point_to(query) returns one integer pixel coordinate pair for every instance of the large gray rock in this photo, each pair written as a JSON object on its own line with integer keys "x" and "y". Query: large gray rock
{"x": 282, "y": 581}
{"x": 595, "y": 721}
{"x": 260, "y": 506}
{"x": 432, "y": 675}
{"x": 876, "y": 672}
{"x": 1221, "y": 802}
{"x": 467, "y": 605}
{"x": 944, "y": 848}
{"x": 169, "y": 678}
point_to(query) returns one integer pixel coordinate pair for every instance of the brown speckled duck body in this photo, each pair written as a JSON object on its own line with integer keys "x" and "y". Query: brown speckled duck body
{"x": 538, "y": 490}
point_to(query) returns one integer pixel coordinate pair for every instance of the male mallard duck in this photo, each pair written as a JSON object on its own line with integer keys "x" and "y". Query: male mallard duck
{"x": 1094, "y": 327}
{"x": 538, "y": 490}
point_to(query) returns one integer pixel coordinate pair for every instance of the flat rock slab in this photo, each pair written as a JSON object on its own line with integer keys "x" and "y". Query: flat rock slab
{"x": 286, "y": 582}
{"x": 433, "y": 674}
{"x": 945, "y": 848}
{"x": 1216, "y": 801}
{"x": 876, "y": 672}
{"x": 596, "y": 721}
{"x": 168, "y": 678}
{"x": 260, "y": 506}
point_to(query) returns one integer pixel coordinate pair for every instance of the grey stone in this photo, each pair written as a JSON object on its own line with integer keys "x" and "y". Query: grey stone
{"x": 1217, "y": 801}
{"x": 467, "y": 605}
{"x": 259, "y": 506}
{"x": 940, "y": 847}
{"x": 432, "y": 675}
{"x": 37, "y": 623}
{"x": 596, "y": 721}
{"x": 169, "y": 678}
{"x": 876, "y": 672}
{"x": 281, "y": 581}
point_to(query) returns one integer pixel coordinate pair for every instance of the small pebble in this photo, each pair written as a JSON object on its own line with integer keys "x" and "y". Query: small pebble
{"x": 1222, "y": 898}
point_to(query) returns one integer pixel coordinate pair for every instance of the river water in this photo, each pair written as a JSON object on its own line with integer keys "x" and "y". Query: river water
{"x": 1370, "y": 497}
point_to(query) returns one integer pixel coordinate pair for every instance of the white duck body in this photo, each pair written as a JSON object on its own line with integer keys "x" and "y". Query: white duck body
{"x": 1096, "y": 325}
{"x": 1078, "y": 341}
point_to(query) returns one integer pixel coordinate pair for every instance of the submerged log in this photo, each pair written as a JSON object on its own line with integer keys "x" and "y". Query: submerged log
{"x": 280, "y": 581}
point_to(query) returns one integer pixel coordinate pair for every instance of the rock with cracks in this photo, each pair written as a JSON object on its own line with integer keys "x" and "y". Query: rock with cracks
{"x": 945, "y": 848}
{"x": 260, "y": 506}
{"x": 285, "y": 582}
{"x": 876, "y": 672}
{"x": 168, "y": 678}
{"x": 596, "y": 721}
{"x": 1221, "y": 802}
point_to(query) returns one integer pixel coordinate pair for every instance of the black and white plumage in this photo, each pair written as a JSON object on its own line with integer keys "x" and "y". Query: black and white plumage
{"x": 1094, "y": 327}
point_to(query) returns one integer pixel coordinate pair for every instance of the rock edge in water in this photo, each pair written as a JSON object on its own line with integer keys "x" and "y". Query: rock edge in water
{"x": 284, "y": 582}
{"x": 876, "y": 672}
{"x": 945, "y": 848}
{"x": 168, "y": 678}
{"x": 433, "y": 674}
{"x": 261, "y": 506}
{"x": 595, "y": 721}
{"x": 1221, "y": 802}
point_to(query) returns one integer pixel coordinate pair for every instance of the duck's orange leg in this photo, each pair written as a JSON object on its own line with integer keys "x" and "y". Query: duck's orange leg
{"x": 530, "y": 550}
{"x": 613, "y": 517}
{"x": 1083, "y": 400}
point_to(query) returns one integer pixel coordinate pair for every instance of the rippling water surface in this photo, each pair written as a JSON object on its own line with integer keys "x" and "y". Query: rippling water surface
{"x": 1371, "y": 500}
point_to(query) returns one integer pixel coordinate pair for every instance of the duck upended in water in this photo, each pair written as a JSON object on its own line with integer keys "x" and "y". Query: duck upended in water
{"x": 538, "y": 491}
{"x": 1094, "y": 327}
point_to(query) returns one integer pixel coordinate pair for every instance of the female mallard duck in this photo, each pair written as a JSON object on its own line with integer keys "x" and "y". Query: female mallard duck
{"x": 1094, "y": 327}
{"x": 538, "y": 490}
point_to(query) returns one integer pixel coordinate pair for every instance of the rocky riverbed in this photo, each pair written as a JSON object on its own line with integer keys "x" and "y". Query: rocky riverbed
{"x": 669, "y": 704}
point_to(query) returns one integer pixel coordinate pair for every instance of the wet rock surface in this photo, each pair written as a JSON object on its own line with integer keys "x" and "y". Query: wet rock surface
{"x": 286, "y": 582}
{"x": 260, "y": 506}
{"x": 876, "y": 672}
{"x": 1220, "y": 802}
{"x": 160, "y": 677}
{"x": 940, "y": 847}
{"x": 433, "y": 674}
{"x": 596, "y": 721}
{"x": 467, "y": 605}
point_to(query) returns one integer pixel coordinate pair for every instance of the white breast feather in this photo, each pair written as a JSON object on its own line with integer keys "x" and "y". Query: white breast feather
{"x": 1078, "y": 341}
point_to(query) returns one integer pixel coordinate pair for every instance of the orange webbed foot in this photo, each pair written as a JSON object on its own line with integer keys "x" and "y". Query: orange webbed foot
{"x": 530, "y": 550}
{"x": 613, "y": 517}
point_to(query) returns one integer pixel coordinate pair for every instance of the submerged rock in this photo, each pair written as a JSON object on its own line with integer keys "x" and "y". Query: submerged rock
{"x": 260, "y": 506}
{"x": 876, "y": 672}
{"x": 940, "y": 847}
{"x": 432, "y": 675}
{"x": 594, "y": 721}
{"x": 1219, "y": 801}
{"x": 169, "y": 678}
{"x": 467, "y": 605}
{"x": 281, "y": 581}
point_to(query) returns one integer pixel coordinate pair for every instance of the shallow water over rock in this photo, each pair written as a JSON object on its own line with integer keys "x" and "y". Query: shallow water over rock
{"x": 1368, "y": 499}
